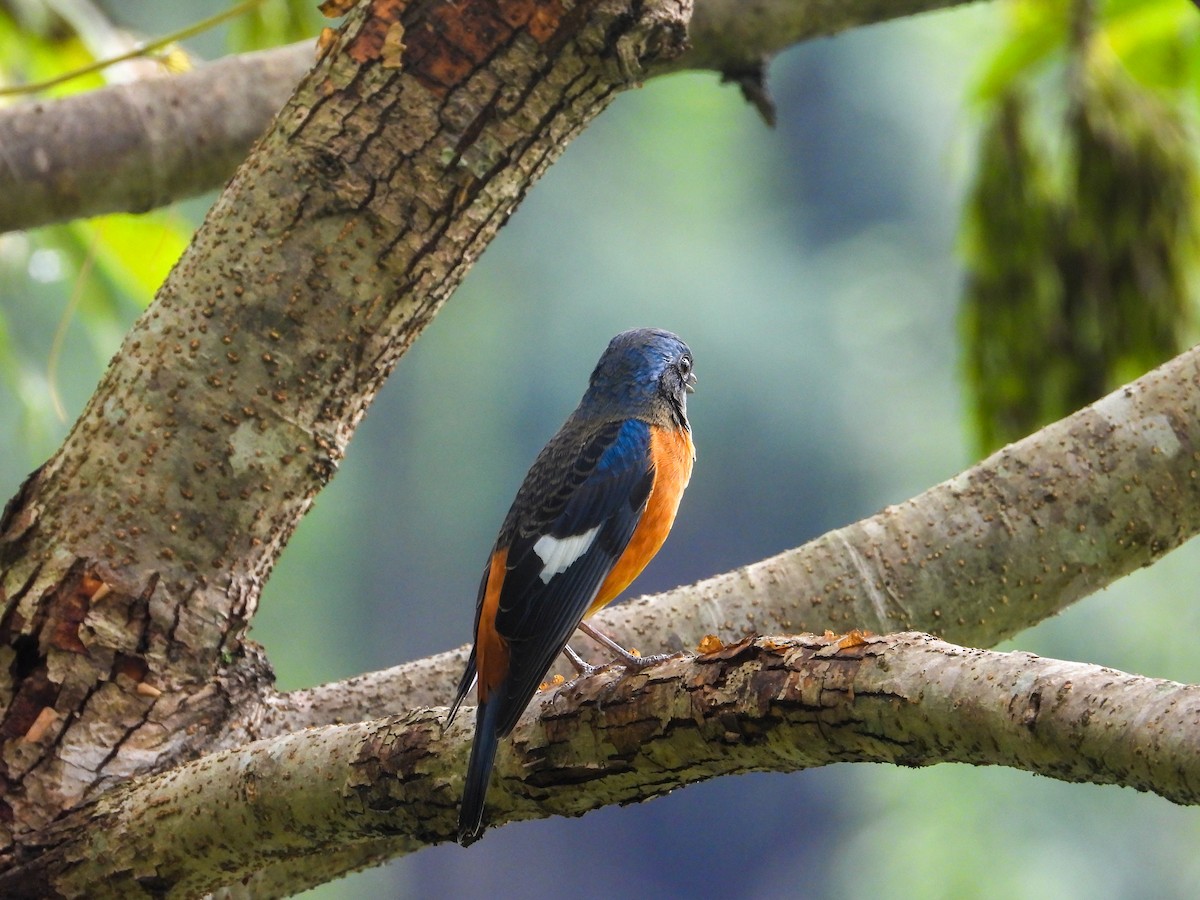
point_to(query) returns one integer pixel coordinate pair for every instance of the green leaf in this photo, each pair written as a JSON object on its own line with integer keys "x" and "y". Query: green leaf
{"x": 135, "y": 252}
{"x": 1038, "y": 32}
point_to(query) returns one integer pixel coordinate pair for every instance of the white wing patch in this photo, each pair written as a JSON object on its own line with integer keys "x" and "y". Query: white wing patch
{"x": 557, "y": 554}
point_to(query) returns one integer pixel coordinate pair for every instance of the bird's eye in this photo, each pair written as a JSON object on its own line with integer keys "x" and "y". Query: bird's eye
{"x": 685, "y": 364}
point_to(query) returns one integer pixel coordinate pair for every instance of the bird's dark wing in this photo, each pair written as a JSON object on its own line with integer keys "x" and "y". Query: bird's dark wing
{"x": 571, "y": 521}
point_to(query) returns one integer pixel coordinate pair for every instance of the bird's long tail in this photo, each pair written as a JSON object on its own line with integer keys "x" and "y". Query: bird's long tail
{"x": 479, "y": 772}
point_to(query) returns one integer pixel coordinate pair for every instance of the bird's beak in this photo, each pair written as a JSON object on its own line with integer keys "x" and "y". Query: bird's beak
{"x": 689, "y": 383}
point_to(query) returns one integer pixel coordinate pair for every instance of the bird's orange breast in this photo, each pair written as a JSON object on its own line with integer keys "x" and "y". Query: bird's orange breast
{"x": 673, "y": 454}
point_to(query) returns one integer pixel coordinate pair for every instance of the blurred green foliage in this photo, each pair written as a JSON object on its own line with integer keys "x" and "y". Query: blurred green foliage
{"x": 1081, "y": 228}
{"x": 275, "y": 22}
{"x": 37, "y": 45}
{"x": 1133, "y": 223}
{"x": 1154, "y": 39}
{"x": 101, "y": 270}
{"x": 1013, "y": 304}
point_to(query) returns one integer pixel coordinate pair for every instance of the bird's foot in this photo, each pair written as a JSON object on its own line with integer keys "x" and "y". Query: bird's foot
{"x": 636, "y": 663}
{"x": 583, "y": 668}
{"x": 630, "y": 661}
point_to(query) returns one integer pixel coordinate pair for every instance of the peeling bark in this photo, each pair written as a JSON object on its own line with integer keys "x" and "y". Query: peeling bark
{"x": 768, "y": 704}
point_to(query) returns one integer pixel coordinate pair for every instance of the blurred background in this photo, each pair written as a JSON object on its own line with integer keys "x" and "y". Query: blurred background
{"x": 817, "y": 270}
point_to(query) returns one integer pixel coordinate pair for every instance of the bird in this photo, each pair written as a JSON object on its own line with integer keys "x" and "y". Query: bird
{"x": 594, "y": 508}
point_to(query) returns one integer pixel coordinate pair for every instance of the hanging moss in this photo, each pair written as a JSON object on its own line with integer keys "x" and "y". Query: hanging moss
{"x": 1078, "y": 264}
{"x": 1012, "y": 311}
{"x": 1132, "y": 234}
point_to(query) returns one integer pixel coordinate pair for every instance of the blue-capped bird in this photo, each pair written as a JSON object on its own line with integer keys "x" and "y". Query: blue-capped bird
{"x": 595, "y": 507}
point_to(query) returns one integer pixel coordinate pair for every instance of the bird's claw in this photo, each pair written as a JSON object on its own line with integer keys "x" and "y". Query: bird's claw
{"x": 635, "y": 663}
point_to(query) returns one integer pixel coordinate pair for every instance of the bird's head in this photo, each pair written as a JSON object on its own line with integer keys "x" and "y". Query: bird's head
{"x": 645, "y": 372}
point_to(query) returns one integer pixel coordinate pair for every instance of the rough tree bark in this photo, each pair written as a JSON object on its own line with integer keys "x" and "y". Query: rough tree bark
{"x": 131, "y": 563}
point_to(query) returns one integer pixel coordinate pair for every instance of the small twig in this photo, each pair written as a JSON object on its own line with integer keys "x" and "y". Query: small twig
{"x": 137, "y": 52}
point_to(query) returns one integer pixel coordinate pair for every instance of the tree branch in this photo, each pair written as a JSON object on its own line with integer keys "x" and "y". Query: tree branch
{"x": 730, "y": 35}
{"x": 1013, "y": 540}
{"x": 770, "y": 704}
{"x": 133, "y": 147}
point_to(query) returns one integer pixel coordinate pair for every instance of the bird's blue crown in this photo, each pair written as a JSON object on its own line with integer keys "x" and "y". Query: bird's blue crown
{"x": 631, "y": 368}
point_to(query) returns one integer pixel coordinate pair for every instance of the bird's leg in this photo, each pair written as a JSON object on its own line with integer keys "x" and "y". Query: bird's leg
{"x": 630, "y": 660}
{"x": 576, "y": 660}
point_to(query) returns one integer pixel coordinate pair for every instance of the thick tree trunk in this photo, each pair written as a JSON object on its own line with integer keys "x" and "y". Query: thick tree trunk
{"x": 133, "y": 560}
